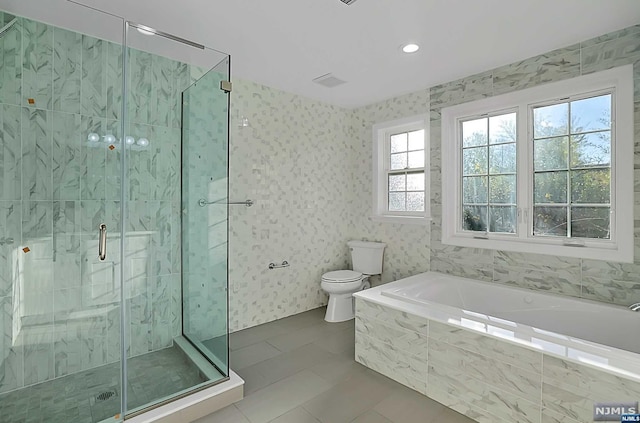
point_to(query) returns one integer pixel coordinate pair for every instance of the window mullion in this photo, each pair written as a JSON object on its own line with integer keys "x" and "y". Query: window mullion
{"x": 487, "y": 213}
{"x": 524, "y": 171}
{"x": 569, "y": 170}
{"x": 387, "y": 168}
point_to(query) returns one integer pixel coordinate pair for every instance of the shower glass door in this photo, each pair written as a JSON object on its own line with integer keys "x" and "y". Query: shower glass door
{"x": 205, "y": 198}
{"x": 163, "y": 324}
{"x": 60, "y": 167}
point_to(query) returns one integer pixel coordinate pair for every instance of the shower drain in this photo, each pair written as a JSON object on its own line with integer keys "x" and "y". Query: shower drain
{"x": 103, "y": 396}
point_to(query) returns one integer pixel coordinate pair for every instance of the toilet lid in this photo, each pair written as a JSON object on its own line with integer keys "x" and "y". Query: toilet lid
{"x": 342, "y": 276}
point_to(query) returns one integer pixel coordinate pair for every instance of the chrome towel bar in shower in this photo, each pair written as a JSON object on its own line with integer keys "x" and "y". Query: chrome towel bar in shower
{"x": 202, "y": 202}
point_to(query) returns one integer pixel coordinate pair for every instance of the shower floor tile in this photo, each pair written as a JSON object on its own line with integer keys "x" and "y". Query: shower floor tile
{"x": 74, "y": 398}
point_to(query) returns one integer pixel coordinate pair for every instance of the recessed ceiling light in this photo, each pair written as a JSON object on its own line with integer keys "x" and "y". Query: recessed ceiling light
{"x": 410, "y": 48}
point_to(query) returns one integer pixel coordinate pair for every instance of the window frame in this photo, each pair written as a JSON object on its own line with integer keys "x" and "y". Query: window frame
{"x": 382, "y": 133}
{"x": 488, "y": 145}
{"x": 620, "y": 248}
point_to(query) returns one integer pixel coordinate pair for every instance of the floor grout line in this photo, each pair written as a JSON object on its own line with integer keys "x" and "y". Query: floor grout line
{"x": 326, "y": 361}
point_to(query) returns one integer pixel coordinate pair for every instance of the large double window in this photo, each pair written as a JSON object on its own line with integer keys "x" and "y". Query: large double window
{"x": 543, "y": 170}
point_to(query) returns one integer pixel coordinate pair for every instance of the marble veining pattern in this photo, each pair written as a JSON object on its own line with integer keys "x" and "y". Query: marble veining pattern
{"x": 485, "y": 378}
{"x": 11, "y": 63}
{"x": 10, "y": 152}
{"x": 601, "y": 281}
{"x": 60, "y": 305}
{"x": 67, "y": 71}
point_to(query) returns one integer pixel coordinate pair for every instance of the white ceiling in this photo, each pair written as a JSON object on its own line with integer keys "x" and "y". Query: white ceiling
{"x": 287, "y": 43}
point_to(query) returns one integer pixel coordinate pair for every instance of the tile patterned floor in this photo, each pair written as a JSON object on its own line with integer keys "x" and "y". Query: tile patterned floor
{"x": 301, "y": 370}
{"x": 72, "y": 399}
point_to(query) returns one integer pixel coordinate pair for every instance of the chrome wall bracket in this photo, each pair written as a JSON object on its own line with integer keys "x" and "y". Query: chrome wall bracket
{"x": 278, "y": 266}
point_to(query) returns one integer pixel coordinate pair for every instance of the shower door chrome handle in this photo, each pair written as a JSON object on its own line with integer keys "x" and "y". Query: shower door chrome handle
{"x": 102, "y": 243}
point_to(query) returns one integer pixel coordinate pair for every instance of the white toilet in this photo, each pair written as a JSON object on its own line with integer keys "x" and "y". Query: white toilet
{"x": 366, "y": 258}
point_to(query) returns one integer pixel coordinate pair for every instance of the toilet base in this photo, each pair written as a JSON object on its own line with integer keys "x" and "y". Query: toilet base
{"x": 341, "y": 307}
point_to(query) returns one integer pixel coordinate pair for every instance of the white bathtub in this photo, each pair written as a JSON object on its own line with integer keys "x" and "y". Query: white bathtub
{"x": 604, "y": 324}
{"x": 498, "y": 353}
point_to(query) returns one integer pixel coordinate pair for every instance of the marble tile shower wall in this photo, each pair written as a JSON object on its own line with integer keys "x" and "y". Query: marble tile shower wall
{"x": 592, "y": 279}
{"x": 155, "y": 113}
{"x": 58, "y": 306}
{"x": 294, "y": 162}
{"x": 413, "y": 249}
{"x": 205, "y": 155}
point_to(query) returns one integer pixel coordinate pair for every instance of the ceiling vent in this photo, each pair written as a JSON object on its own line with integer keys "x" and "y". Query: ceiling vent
{"x": 348, "y": 1}
{"x": 329, "y": 80}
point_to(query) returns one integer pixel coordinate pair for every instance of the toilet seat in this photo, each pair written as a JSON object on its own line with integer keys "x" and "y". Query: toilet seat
{"x": 342, "y": 276}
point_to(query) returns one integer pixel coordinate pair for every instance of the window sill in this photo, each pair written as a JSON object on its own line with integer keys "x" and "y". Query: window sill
{"x": 619, "y": 254}
{"x": 406, "y": 220}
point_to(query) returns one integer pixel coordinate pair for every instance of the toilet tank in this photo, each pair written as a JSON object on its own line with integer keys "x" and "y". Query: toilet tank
{"x": 366, "y": 256}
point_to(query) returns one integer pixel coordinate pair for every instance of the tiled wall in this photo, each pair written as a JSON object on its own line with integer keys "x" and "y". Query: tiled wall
{"x": 592, "y": 279}
{"x": 274, "y": 162}
{"x": 59, "y": 305}
{"x": 407, "y": 250}
{"x": 413, "y": 249}
{"x": 153, "y": 208}
{"x": 294, "y": 161}
{"x": 487, "y": 379}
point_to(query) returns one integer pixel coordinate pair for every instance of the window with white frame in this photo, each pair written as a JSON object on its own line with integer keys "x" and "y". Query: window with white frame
{"x": 543, "y": 170}
{"x": 400, "y": 175}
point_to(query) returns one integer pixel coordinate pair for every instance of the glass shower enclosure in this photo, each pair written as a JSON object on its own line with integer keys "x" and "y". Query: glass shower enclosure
{"x": 113, "y": 273}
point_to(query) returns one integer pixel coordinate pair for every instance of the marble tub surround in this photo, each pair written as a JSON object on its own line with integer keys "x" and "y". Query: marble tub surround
{"x": 486, "y": 369}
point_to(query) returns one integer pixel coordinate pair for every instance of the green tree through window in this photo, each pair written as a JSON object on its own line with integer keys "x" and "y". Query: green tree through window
{"x": 489, "y": 174}
{"x": 572, "y": 168}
